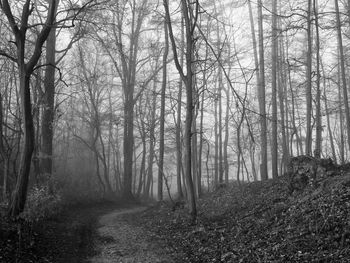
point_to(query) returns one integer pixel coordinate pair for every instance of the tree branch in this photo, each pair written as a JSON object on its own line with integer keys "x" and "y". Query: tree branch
{"x": 4, "y": 54}
{"x": 7, "y": 10}
{"x": 42, "y": 36}
{"x": 172, "y": 40}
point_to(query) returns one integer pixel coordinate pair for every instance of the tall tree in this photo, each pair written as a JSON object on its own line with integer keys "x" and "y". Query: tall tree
{"x": 19, "y": 27}
{"x": 179, "y": 166}
{"x": 274, "y": 146}
{"x": 190, "y": 12}
{"x": 342, "y": 70}
{"x": 48, "y": 103}
{"x": 262, "y": 97}
{"x": 121, "y": 41}
{"x": 308, "y": 143}
{"x": 318, "y": 143}
{"x": 162, "y": 114}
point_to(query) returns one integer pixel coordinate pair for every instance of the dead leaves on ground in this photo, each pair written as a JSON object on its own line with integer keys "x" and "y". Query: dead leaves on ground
{"x": 261, "y": 222}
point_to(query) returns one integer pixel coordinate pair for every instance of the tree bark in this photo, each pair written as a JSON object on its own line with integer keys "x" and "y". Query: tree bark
{"x": 48, "y": 104}
{"x": 162, "y": 115}
{"x": 188, "y": 80}
{"x": 261, "y": 95}
{"x": 318, "y": 143}
{"x": 343, "y": 71}
{"x": 25, "y": 70}
{"x": 274, "y": 146}
{"x": 308, "y": 143}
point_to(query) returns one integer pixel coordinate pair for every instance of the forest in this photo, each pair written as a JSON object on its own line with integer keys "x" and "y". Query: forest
{"x": 182, "y": 105}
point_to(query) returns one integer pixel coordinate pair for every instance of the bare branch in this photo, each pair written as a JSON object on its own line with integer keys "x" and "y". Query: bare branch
{"x": 172, "y": 38}
{"x": 4, "y": 54}
{"x": 7, "y": 10}
{"x": 42, "y": 36}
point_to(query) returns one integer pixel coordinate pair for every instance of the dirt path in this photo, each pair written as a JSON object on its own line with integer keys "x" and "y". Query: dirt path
{"x": 120, "y": 242}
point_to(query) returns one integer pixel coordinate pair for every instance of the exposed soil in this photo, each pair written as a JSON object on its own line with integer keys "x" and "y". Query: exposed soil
{"x": 66, "y": 238}
{"x": 120, "y": 241}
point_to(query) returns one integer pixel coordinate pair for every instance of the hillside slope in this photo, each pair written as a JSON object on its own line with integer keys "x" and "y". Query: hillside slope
{"x": 260, "y": 222}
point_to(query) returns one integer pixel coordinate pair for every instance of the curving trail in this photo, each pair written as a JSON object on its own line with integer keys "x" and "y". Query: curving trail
{"x": 120, "y": 242}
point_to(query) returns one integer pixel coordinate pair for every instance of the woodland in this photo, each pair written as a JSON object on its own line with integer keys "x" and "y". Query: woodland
{"x": 231, "y": 118}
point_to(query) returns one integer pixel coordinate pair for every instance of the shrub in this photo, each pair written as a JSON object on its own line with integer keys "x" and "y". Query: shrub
{"x": 42, "y": 203}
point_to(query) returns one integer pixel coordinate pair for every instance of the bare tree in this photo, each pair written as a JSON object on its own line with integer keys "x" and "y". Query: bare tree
{"x": 274, "y": 146}
{"x": 308, "y": 144}
{"x": 190, "y": 17}
{"x": 48, "y": 103}
{"x": 162, "y": 115}
{"x": 26, "y": 67}
{"x": 342, "y": 70}
{"x": 261, "y": 97}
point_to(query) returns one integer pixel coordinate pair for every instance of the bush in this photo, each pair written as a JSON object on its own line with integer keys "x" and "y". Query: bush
{"x": 42, "y": 203}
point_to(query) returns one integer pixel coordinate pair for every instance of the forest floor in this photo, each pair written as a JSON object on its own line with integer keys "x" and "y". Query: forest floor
{"x": 249, "y": 222}
{"x": 258, "y": 222}
{"x": 65, "y": 238}
{"x": 120, "y": 241}
{"x": 96, "y": 233}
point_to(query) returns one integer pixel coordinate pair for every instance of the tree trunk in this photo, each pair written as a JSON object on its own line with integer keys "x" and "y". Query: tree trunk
{"x": 188, "y": 80}
{"x": 2, "y": 149}
{"x": 227, "y": 117}
{"x": 128, "y": 146}
{"x": 330, "y": 134}
{"x": 283, "y": 104}
{"x": 308, "y": 143}
{"x": 149, "y": 183}
{"x": 343, "y": 71}
{"x": 179, "y": 166}
{"x": 48, "y": 104}
{"x": 341, "y": 118}
{"x": 200, "y": 151}
{"x": 216, "y": 146}
{"x": 162, "y": 115}
{"x": 19, "y": 194}
{"x": 274, "y": 146}
{"x": 261, "y": 92}
{"x": 318, "y": 144}
{"x": 25, "y": 70}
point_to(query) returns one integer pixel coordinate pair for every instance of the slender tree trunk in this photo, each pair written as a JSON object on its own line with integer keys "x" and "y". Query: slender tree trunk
{"x": 189, "y": 109}
{"x": 341, "y": 118}
{"x": 2, "y": 148}
{"x": 162, "y": 115}
{"x": 221, "y": 170}
{"x": 142, "y": 172}
{"x": 179, "y": 166}
{"x": 274, "y": 146}
{"x": 343, "y": 71}
{"x": 318, "y": 146}
{"x": 152, "y": 141}
{"x": 256, "y": 61}
{"x": 48, "y": 104}
{"x": 194, "y": 149}
{"x": 216, "y": 146}
{"x": 308, "y": 143}
{"x": 261, "y": 92}
{"x": 283, "y": 105}
{"x": 227, "y": 116}
{"x": 330, "y": 133}
{"x": 207, "y": 166}
{"x": 200, "y": 151}
{"x": 128, "y": 146}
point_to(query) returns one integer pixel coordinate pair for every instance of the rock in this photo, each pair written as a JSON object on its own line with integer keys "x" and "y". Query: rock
{"x": 306, "y": 170}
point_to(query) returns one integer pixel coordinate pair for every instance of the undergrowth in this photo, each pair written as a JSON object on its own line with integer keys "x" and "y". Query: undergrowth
{"x": 260, "y": 222}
